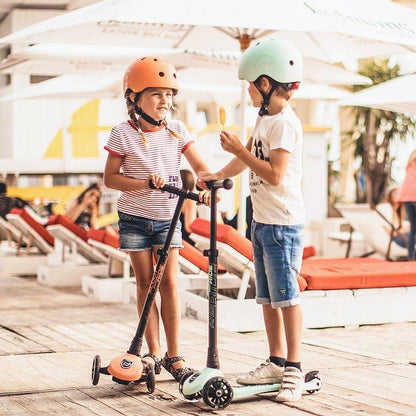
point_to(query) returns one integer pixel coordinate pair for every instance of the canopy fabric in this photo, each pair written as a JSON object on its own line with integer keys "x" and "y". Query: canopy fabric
{"x": 397, "y": 95}
{"x": 57, "y": 59}
{"x": 330, "y": 30}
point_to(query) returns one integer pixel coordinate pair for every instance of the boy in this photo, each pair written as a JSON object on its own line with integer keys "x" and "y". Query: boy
{"x": 274, "y": 152}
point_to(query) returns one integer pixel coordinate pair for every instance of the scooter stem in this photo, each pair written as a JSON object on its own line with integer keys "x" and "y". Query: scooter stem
{"x": 212, "y": 253}
{"x": 212, "y": 356}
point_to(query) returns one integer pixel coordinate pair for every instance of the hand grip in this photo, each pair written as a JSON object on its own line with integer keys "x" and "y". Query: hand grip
{"x": 226, "y": 184}
{"x": 174, "y": 190}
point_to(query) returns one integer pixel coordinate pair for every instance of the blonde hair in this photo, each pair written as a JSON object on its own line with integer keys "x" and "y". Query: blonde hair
{"x": 412, "y": 158}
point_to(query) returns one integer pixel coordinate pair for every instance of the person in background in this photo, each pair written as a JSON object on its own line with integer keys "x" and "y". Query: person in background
{"x": 189, "y": 211}
{"x": 407, "y": 195}
{"x": 249, "y": 217}
{"x": 7, "y": 203}
{"x": 84, "y": 209}
{"x": 393, "y": 211}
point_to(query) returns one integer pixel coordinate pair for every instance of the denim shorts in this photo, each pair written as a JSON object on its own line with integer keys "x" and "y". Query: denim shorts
{"x": 278, "y": 253}
{"x": 140, "y": 234}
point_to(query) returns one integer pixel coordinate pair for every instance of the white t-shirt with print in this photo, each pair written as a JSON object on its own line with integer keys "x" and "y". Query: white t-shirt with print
{"x": 162, "y": 155}
{"x": 282, "y": 204}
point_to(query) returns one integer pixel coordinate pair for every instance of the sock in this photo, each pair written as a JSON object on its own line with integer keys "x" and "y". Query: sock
{"x": 278, "y": 361}
{"x": 293, "y": 364}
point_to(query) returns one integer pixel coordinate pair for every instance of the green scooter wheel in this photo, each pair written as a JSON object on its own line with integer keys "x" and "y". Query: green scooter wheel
{"x": 188, "y": 397}
{"x": 217, "y": 393}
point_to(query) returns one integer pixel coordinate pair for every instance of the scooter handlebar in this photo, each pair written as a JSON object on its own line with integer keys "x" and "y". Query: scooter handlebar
{"x": 226, "y": 184}
{"x": 174, "y": 190}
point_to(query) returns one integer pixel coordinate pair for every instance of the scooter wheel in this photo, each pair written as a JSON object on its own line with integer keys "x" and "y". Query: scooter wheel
{"x": 189, "y": 397}
{"x": 217, "y": 393}
{"x": 313, "y": 376}
{"x": 151, "y": 379}
{"x": 95, "y": 370}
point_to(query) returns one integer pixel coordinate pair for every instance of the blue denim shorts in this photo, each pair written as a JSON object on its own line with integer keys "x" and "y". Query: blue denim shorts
{"x": 140, "y": 234}
{"x": 278, "y": 253}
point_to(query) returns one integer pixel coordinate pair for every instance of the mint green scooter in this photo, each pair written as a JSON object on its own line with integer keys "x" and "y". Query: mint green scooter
{"x": 210, "y": 383}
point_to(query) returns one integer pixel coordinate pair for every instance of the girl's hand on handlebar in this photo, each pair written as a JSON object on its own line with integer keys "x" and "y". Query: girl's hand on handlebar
{"x": 205, "y": 198}
{"x": 157, "y": 180}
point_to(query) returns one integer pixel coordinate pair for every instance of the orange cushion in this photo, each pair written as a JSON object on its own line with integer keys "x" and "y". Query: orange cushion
{"x": 67, "y": 223}
{"x": 39, "y": 228}
{"x": 309, "y": 251}
{"x": 225, "y": 234}
{"x": 192, "y": 254}
{"x": 104, "y": 236}
{"x": 229, "y": 235}
{"x": 357, "y": 273}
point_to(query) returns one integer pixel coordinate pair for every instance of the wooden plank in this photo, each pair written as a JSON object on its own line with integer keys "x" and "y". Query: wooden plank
{"x": 15, "y": 343}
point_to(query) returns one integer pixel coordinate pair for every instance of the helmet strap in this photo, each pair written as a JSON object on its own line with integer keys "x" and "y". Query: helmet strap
{"x": 138, "y": 110}
{"x": 266, "y": 97}
{"x": 146, "y": 117}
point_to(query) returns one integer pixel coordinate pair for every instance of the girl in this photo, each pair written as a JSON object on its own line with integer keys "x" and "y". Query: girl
{"x": 148, "y": 148}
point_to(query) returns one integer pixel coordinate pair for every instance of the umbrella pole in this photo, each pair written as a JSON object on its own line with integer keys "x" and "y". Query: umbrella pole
{"x": 245, "y": 41}
{"x": 241, "y": 216}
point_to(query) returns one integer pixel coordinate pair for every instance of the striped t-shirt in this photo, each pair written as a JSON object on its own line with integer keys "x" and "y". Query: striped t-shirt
{"x": 161, "y": 156}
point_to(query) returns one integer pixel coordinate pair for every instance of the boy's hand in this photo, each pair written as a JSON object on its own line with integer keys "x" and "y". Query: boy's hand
{"x": 230, "y": 143}
{"x": 157, "y": 180}
{"x": 205, "y": 177}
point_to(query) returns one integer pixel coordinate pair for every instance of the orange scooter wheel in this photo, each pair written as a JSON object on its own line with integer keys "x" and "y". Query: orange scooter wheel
{"x": 126, "y": 367}
{"x": 151, "y": 379}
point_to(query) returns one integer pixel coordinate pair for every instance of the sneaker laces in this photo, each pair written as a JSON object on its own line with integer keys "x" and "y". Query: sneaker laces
{"x": 258, "y": 369}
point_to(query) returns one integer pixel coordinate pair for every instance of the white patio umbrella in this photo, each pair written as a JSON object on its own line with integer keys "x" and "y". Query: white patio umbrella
{"x": 56, "y": 59}
{"x": 397, "y": 95}
{"x": 330, "y": 30}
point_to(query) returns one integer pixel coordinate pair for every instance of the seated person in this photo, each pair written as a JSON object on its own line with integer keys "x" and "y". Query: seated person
{"x": 84, "y": 209}
{"x": 7, "y": 203}
{"x": 393, "y": 210}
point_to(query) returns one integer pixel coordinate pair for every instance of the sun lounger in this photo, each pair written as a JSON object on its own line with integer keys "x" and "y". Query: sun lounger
{"x": 371, "y": 223}
{"x": 194, "y": 268}
{"x": 235, "y": 252}
{"x": 358, "y": 291}
{"x": 36, "y": 233}
{"x": 26, "y": 230}
{"x": 72, "y": 256}
{"x": 15, "y": 238}
{"x": 335, "y": 292}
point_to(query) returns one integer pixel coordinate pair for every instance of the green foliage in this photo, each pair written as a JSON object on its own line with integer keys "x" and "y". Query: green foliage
{"x": 373, "y": 132}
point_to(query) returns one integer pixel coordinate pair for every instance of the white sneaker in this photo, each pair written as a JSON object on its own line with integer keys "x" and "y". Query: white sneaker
{"x": 265, "y": 373}
{"x": 291, "y": 389}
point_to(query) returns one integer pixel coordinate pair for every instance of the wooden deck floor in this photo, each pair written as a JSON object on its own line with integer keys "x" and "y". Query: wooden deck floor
{"x": 48, "y": 338}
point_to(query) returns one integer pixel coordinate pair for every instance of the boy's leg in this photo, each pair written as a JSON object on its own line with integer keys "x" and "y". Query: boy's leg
{"x": 291, "y": 389}
{"x": 273, "y": 322}
{"x": 268, "y": 371}
{"x": 293, "y": 322}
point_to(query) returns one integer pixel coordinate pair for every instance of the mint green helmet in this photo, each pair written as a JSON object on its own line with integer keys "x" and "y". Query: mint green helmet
{"x": 279, "y": 59}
